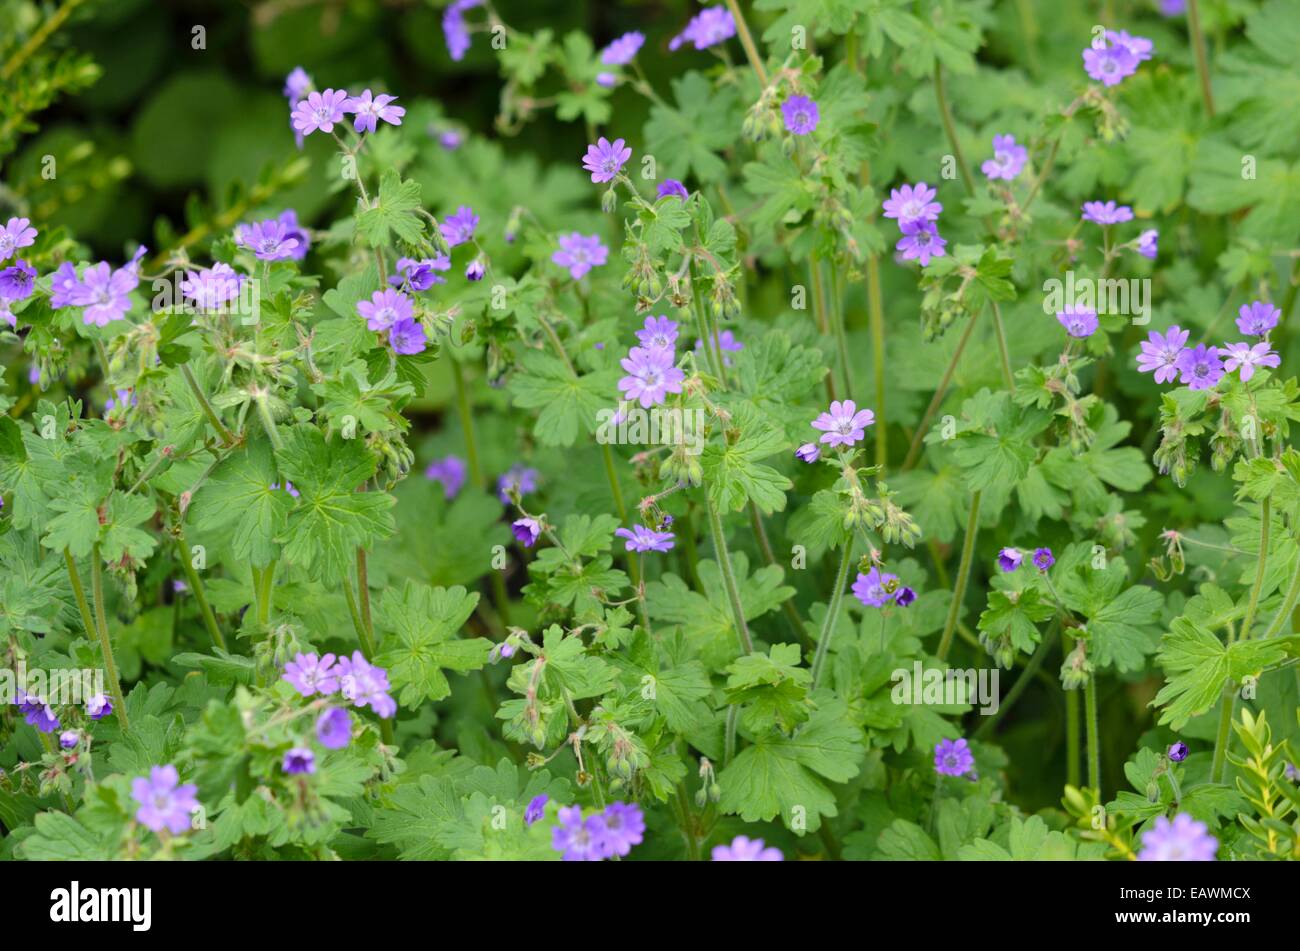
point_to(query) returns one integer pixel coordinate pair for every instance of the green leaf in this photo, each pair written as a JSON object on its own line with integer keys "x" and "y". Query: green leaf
{"x": 238, "y": 498}
{"x": 396, "y": 212}
{"x": 420, "y": 625}
{"x": 568, "y": 402}
{"x": 733, "y": 471}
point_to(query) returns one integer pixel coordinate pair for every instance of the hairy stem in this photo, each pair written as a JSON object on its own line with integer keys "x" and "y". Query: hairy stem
{"x": 1022, "y": 683}
{"x": 1094, "y": 739}
{"x": 1071, "y": 723}
{"x": 227, "y": 437}
{"x": 200, "y": 595}
{"x": 832, "y": 614}
{"x": 1265, "y": 517}
{"x": 101, "y": 625}
{"x": 728, "y": 577}
{"x": 1288, "y": 604}
{"x": 950, "y": 128}
{"x": 914, "y": 450}
{"x": 1224, "y": 735}
{"x": 765, "y": 546}
{"x": 1003, "y": 355}
{"x": 963, "y": 575}
{"x": 1202, "y": 62}
{"x": 747, "y": 41}
{"x": 876, "y": 312}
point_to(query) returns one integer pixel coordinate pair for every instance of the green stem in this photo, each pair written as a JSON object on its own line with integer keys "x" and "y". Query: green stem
{"x": 633, "y": 569}
{"x": 37, "y": 39}
{"x": 1003, "y": 355}
{"x": 79, "y": 592}
{"x": 101, "y": 625}
{"x": 200, "y": 595}
{"x": 963, "y": 575}
{"x": 1202, "y": 63}
{"x": 1224, "y": 734}
{"x": 685, "y": 819}
{"x": 1094, "y": 739}
{"x": 263, "y": 582}
{"x": 728, "y": 578}
{"x": 227, "y": 438}
{"x": 1288, "y": 603}
{"x": 945, "y": 114}
{"x": 747, "y": 41}
{"x": 875, "y": 310}
{"x": 765, "y": 546}
{"x": 363, "y": 593}
{"x": 1071, "y": 723}
{"x": 268, "y": 423}
{"x": 1022, "y": 683}
{"x": 832, "y": 613}
{"x": 914, "y": 450}
{"x": 841, "y": 337}
{"x": 819, "y": 315}
{"x": 1265, "y": 517}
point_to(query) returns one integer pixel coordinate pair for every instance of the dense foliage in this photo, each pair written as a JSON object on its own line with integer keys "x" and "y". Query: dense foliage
{"x": 804, "y": 429}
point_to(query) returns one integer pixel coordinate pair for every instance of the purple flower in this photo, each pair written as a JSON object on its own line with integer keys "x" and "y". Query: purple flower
{"x": 164, "y": 802}
{"x": 99, "y": 706}
{"x": 63, "y": 285}
{"x": 526, "y": 531}
{"x": 319, "y": 111}
{"x": 1292, "y": 772}
{"x": 1246, "y": 357}
{"x": 407, "y": 336}
{"x": 912, "y": 203}
{"x": 296, "y": 85}
{"x": 921, "y": 240}
{"x": 1257, "y": 318}
{"x": 288, "y": 487}
{"x": 1149, "y": 243}
{"x": 904, "y": 596}
{"x": 623, "y": 50}
{"x": 69, "y": 739}
{"x": 299, "y": 760}
{"x": 710, "y": 26}
{"x": 745, "y": 849}
{"x": 369, "y": 110}
{"x": 1106, "y": 213}
{"x": 295, "y": 231}
{"x": 459, "y": 228}
{"x": 579, "y": 840}
{"x": 1178, "y": 752}
{"x": 385, "y": 308}
{"x": 1043, "y": 558}
{"x": 640, "y": 538}
{"x": 1160, "y": 353}
{"x": 875, "y": 589}
{"x": 624, "y": 827}
{"x": 518, "y": 479}
{"x": 808, "y": 452}
{"x": 845, "y": 424}
{"x": 536, "y": 808}
{"x": 651, "y": 376}
{"x": 672, "y": 186}
{"x": 580, "y": 253}
{"x": 212, "y": 287}
{"x": 36, "y": 712}
{"x": 475, "y": 270}
{"x": 125, "y": 399}
{"x": 1139, "y": 47}
{"x": 450, "y": 471}
{"x": 953, "y": 758}
{"x": 451, "y": 140}
{"x": 727, "y": 343}
{"x": 1183, "y": 840}
{"x": 1172, "y": 8}
{"x": 419, "y": 275}
{"x": 1008, "y": 159}
{"x": 454, "y": 29}
{"x": 1111, "y": 65}
{"x": 604, "y": 159}
{"x": 104, "y": 293}
{"x": 365, "y": 685}
{"x": 269, "y": 240}
{"x": 1009, "y": 559}
{"x": 1200, "y": 367}
{"x": 659, "y": 333}
{"x": 17, "y": 280}
{"x": 334, "y": 728}
{"x": 608, "y": 80}
{"x": 7, "y": 316}
{"x": 1078, "y": 322}
{"x": 311, "y": 675}
{"x": 17, "y": 233}
{"x": 800, "y": 114}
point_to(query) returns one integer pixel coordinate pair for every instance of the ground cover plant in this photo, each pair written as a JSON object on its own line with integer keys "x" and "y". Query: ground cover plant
{"x": 792, "y": 430}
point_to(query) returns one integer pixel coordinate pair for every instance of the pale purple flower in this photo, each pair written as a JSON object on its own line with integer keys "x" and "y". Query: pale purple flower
{"x": 912, "y": 203}
{"x": 640, "y": 538}
{"x": 459, "y": 228}
{"x": 1160, "y": 353}
{"x": 295, "y": 231}
{"x": 269, "y": 240}
{"x": 296, "y": 85}
{"x": 808, "y": 452}
{"x": 1009, "y": 559}
{"x": 953, "y": 758}
{"x": 1078, "y": 322}
{"x": 1043, "y": 558}
{"x": 164, "y": 802}
{"x": 406, "y": 336}
{"x": 419, "y": 275}
{"x": 310, "y": 674}
{"x": 1246, "y": 357}
{"x": 1106, "y": 213}
{"x": 125, "y": 399}
{"x": 334, "y": 728}
{"x": 1111, "y": 65}
{"x": 1292, "y": 772}
{"x": 1177, "y": 752}
{"x": 580, "y": 253}
{"x": 800, "y": 115}
{"x": 624, "y": 827}
{"x": 475, "y": 270}
{"x": 365, "y": 684}
{"x": 671, "y": 186}
{"x": 319, "y": 111}
{"x": 1173, "y": 8}
{"x": 1008, "y": 159}
{"x": 17, "y": 280}
{"x": 921, "y": 241}
{"x": 17, "y": 233}
{"x": 36, "y": 712}
{"x": 69, "y": 739}
{"x": 608, "y": 80}
{"x": 518, "y": 479}
{"x": 104, "y": 293}
{"x": 99, "y": 706}
{"x": 454, "y": 29}
{"x": 659, "y": 333}
{"x": 1149, "y": 243}
{"x": 651, "y": 376}
{"x": 1139, "y": 47}
{"x": 726, "y": 342}
{"x": 875, "y": 589}
{"x": 212, "y": 287}
{"x": 451, "y": 472}
{"x": 369, "y": 110}
{"x": 63, "y": 285}
{"x": 526, "y": 531}
{"x": 844, "y": 424}
{"x": 623, "y": 50}
{"x": 385, "y": 308}
{"x": 1257, "y": 318}
{"x": 604, "y": 159}
{"x": 1200, "y": 367}
{"x": 299, "y": 760}
{"x": 1183, "y": 840}
{"x": 580, "y": 840}
{"x": 710, "y": 26}
{"x": 536, "y": 808}
{"x": 745, "y": 849}
{"x": 451, "y": 140}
